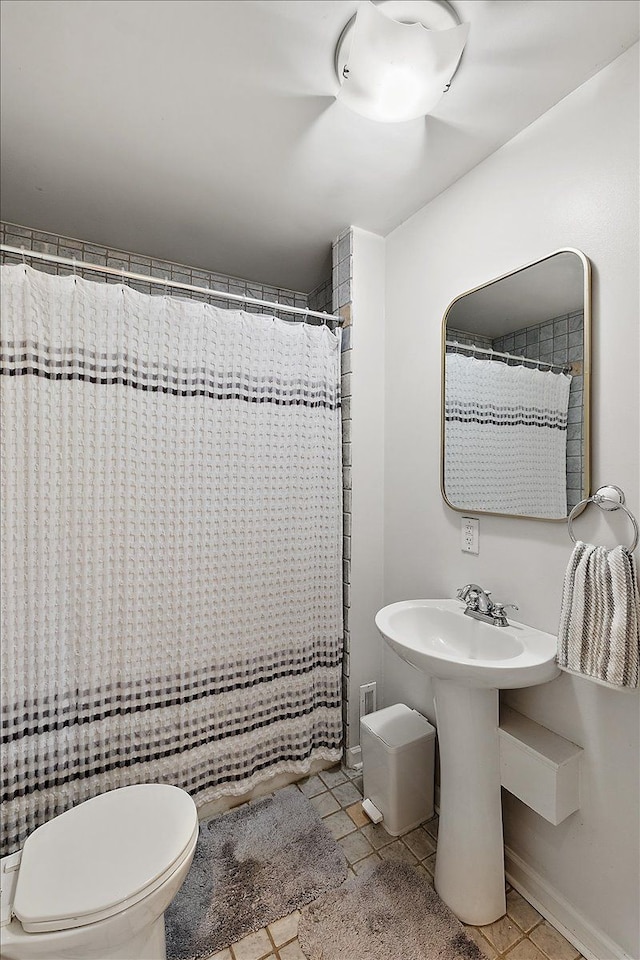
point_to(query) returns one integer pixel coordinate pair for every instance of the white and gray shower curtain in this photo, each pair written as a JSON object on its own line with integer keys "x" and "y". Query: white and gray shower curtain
{"x": 505, "y": 437}
{"x": 171, "y": 545}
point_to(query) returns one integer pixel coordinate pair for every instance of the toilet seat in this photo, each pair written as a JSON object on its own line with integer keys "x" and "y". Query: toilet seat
{"x": 103, "y": 856}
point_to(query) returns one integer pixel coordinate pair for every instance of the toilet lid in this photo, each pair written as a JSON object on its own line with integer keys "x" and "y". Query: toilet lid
{"x": 102, "y": 855}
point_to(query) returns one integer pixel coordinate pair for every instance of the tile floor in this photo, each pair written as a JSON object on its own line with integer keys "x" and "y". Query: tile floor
{"x": 522, "y": 934}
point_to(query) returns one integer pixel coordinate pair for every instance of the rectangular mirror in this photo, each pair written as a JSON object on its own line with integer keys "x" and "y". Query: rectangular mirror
{"x": 516, "y": 355}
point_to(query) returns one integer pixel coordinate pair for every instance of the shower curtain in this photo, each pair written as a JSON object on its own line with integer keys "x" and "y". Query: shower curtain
{"x": 171, "y": 545}
{"x": 505, "y": 437}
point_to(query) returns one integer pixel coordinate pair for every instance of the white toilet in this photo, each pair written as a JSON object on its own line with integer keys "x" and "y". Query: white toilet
{"x": 95, "y": 881}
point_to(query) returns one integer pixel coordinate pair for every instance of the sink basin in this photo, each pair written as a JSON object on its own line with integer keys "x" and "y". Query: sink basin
{"x": 435, "y": 636}
{"x": 468, "y": 662}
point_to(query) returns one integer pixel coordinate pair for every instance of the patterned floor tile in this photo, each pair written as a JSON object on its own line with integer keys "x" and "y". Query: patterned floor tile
{"x": 359, "y": 785}
{"x": 333, "y": 777}
{"x": 325, "y": 803}
{"x": 503, "y": 934}
{"x": 552, "y": 943}
{"x": 487, "y": 949}
{"x": 363, "y": 866}
{"x": 525, "y": 950}
{"x": 430, "y": 864}
{"x": 293, "y": 951}
{"x": 522, "y": 912}
{"x": 358, "y": 815}
{"x": 424, "y": 873}
{"x": 399, "y": 852}
{"x": 377, "y": 835}
{"x": 311, "y": 786}
{"x": 431, "y": 826}
{"x": 284, "y": 930}
{"x": 420, "y": 843}
{"x": 346, "y": 794}
{"x": 254, "y": 947}
{"x": 356, "y": 847}
{"x": 339, "y": 824}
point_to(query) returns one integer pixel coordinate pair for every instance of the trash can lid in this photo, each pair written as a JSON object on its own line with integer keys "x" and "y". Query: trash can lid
{"x": 398, "y": 725}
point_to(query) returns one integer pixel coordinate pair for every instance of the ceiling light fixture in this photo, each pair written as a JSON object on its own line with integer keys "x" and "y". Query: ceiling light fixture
{"x": 396, "y": 58}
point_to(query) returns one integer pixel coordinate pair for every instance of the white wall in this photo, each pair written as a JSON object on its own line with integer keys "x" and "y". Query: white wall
{"x": 367, "y": 414}
{"x": 570, "y": 179}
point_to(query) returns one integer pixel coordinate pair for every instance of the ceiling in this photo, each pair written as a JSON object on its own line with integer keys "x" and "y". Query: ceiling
{"x": 206, "y": 131}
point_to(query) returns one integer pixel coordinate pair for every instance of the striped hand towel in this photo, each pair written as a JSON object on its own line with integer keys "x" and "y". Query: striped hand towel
{"x": 599, "y": 635}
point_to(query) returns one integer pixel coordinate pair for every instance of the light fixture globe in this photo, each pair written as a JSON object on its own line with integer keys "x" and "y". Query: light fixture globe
{"x": 396, "y": 58}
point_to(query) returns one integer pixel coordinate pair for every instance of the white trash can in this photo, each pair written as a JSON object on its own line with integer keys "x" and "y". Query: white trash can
{"x": 398, "y": 748}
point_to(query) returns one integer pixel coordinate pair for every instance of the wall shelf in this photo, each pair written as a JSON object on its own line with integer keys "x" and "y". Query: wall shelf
{"x": 538, "y": 766}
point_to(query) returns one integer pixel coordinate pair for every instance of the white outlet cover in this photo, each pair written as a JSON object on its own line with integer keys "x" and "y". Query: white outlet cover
{"x": 470, "y": 535}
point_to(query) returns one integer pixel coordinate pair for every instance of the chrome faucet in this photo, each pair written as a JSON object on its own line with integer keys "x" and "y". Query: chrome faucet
{"x": 480, "y": 606}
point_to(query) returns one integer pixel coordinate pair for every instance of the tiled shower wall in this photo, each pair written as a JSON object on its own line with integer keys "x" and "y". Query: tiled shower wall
{"x": 19, "y": 236}
{"x": 342, "y": 275}
{"x": 471, "y": 339}
{"x": 321, "y": 298}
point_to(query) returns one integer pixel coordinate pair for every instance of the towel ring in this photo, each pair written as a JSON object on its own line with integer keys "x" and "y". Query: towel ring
{"x": 608, "y": 497}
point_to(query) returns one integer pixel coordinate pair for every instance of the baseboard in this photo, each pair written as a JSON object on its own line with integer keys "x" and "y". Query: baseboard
{"x": 591, "y": 942}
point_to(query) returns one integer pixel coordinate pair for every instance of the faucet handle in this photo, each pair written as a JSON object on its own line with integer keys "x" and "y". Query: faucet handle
{"x": 500, "y": 617}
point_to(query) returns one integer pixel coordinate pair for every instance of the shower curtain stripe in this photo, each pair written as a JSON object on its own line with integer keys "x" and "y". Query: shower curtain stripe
{"x": 172, "y": 540}
{"x": 35, "y": 717}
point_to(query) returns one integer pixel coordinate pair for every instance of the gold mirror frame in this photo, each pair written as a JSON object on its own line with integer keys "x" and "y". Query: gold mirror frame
{"x": 586, "y": 403}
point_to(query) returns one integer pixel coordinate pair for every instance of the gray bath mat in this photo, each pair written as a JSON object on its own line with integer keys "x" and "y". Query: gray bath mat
{"x": 251, "y": 867}
{"x": 391, "y": 913}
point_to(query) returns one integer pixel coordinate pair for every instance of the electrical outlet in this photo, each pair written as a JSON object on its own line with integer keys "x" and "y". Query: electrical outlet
{"x": 470, "y": 535}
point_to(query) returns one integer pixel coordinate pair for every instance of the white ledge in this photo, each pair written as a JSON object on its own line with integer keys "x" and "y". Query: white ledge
{"x": 539, "y": 767}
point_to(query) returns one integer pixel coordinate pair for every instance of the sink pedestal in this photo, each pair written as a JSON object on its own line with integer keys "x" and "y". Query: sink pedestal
{"x": 470, "y": 857}
{"x": 468, "y": 661}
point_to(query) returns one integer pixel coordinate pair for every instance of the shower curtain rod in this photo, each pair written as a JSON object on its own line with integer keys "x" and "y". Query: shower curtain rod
{"x": 563, "y": 367}
{"x": 173, "y": 284}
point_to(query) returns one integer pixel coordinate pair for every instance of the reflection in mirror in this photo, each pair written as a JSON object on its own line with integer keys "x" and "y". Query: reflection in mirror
{"x": 516, "y": 391}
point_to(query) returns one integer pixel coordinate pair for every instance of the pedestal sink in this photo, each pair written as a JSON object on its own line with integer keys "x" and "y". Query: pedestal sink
{"x": 468, "y": 661}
